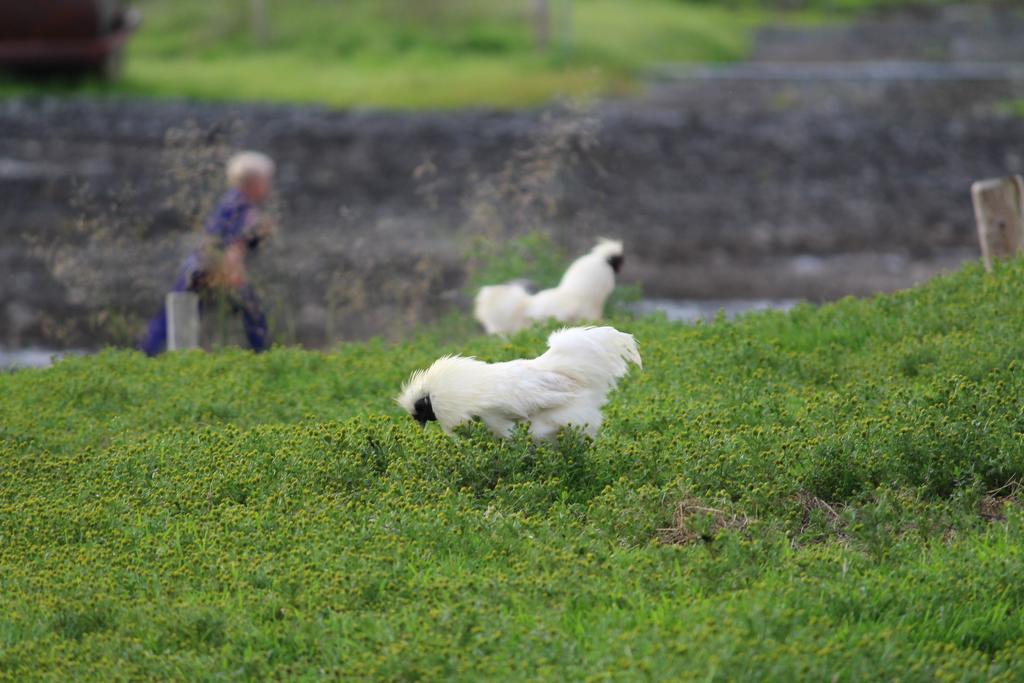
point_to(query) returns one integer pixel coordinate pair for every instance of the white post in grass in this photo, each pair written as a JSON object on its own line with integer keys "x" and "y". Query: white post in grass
{"x": 565, "y": 36}
{"x": 182, "y": 321}
{"x": 259, "y": 14}
{"x": 999, "y": 212}
{"x": 542, "y": 23}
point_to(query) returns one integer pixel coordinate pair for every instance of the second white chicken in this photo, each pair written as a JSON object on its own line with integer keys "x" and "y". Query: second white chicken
{"x": 580, "y": 295}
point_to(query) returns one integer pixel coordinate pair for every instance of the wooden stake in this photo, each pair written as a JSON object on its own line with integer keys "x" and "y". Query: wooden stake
{"x": 542, "y": 24}
{"x": 182, "y": 321}
{"x": 260, "y": 16}
{"x": 565, "y": 36}
{"x": 999, "y": 212}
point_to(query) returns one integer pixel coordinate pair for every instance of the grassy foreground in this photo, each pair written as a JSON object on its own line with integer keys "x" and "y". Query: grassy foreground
{"x": 824, "y": 495}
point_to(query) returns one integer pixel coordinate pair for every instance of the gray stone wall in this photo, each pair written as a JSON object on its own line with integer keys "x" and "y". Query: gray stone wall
{"x": 723, "y": 183}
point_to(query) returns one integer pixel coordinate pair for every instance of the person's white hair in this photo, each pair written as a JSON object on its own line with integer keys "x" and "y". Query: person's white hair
{"x": 247, "y": 165}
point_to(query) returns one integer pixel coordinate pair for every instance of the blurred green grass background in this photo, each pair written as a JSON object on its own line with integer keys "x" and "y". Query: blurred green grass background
{"x": 432, "y": 53}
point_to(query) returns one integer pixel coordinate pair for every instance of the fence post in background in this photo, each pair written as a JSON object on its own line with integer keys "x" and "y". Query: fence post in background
{"x": 999, "y": 212}
{"x": 542, "y": 23}
{"x": 565, "y": 36}
{"x": 259, "y": 14}
{"x": 182, "y": 321}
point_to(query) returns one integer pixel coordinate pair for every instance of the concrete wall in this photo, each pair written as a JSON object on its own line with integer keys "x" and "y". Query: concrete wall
{"x": 734, "y": 183}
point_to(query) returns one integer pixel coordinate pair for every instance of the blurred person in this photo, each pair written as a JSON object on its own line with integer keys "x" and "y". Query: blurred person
{"x": 235, "y": 227}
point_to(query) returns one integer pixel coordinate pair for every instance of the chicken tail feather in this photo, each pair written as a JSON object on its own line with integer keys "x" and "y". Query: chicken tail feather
{"x": 596, "y": 356}
{"x": 501, "y": 308}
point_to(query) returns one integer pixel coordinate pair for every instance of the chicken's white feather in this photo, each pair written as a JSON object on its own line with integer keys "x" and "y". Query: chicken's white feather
{"x": 567, "y": 385}
{"x": 501, "y": 309}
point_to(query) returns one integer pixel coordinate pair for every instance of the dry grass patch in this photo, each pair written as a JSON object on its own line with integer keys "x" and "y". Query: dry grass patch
{"x": 693, "y": 521}
{"x": 992, "y": 506}
{"x": 814, "y": 509}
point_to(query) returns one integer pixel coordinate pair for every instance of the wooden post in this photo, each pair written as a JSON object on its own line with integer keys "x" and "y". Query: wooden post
{"x": 182, "y": 321}
{"x": 565, "y": 36}
{"x": 999, "y": 212}
{"x": 259, "y": 14}
{"x": 542, "y": 23}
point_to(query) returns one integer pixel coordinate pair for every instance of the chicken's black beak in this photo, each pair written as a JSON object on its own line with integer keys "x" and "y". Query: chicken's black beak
{"x": 424, "y": 412}
{"x": 616, "y": 262}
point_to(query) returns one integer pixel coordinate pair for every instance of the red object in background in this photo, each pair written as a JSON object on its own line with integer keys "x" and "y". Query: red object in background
{"x": 80, "y": 34}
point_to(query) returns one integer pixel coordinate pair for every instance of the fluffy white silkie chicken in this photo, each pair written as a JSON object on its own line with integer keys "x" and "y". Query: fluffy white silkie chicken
{"x": 567, "y": 385}
{"x": 585, "y": 286}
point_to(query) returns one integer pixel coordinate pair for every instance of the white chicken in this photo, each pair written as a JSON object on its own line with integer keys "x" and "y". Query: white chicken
{"x": 581, "y": 294}
{"x": 567, "y": 385}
